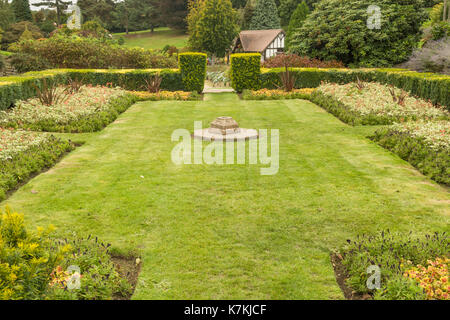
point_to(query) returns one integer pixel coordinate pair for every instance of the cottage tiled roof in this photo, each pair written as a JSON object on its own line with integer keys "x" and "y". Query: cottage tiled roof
{"x": 258, "y": 40}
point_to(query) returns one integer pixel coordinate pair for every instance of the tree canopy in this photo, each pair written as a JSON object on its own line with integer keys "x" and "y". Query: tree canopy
{"x": 265, "y": 16}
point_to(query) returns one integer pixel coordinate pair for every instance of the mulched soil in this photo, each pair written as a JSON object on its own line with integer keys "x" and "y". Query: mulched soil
{"x": 341, "y": 276}
{"x": 129, "y": 269}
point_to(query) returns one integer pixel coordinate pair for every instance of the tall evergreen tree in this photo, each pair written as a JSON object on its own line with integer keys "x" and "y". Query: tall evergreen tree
{"x": 6, "y": 14}
{"x": 174, "y": 13}
{"x": 22, "y": 10}
{"x": 265, "y": 16}
{"x": 297, "y": 19}
{"x": 59, "y": 5}
{"x": 286, "y": 9}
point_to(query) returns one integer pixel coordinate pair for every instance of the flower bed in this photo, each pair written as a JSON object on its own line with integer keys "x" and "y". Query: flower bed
{"x": 426, "y": 145}
{"x": 166, "y": 95}
{"x": 373, "y": 104}
{"x": 401, "y": 259}
{"x": 90, "y": 109}
{"x": 278, "y": 94}
{"x": 23, "y": 154}
{"x": 35, "y": 265}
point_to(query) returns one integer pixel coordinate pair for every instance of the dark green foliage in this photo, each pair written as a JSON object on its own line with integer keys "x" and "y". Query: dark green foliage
{"x": 286, "y": 10}
{"x": 427, "y": 86}
{"x": 22, "y": 10}
{"x": 24, "y": 62}
{"x": 18, "y": 170}
{"x": 193, "y": 70}
{"x": 6, "y": 15}
{"x": 265, "y": 16}
{"x": 387, "y": 250}
{"x": 432, "y": 163}
{"x": 174, "y": 13}
{"x": 440, "y": 30}
{"x": 296, "y": 21}
{"x": 16, "y": 30}
{"x": 338, "y": 30}
{"x": 245, "y": 71}
{"x": 22, "y": 87}
{"x": 81, "y": 52}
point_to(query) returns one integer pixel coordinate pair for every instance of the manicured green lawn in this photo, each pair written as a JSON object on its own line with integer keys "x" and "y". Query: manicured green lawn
{"x": 157, "y": 40}
{"x": 226, "y": 232}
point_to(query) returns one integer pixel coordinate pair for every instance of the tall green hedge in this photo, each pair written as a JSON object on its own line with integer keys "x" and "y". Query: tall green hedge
{"x": 428, "y": 86}
{"x": 22, "y": 87}
{"x": 245, "y": 71}
{"x": 193, "y": 70}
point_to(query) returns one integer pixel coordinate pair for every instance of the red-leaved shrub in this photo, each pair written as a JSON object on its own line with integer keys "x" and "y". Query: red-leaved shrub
{"x": 295, "y": 61}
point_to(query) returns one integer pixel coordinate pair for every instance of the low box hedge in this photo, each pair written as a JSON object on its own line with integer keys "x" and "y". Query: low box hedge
{"x": 21, "y": 167}
{"x": 432, "y": 162}
{"x": 428, "y": 86}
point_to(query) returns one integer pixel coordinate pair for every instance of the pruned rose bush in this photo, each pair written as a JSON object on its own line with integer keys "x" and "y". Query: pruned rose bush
{"x": 373, "y": 104}
{"x": 90, "y": 109}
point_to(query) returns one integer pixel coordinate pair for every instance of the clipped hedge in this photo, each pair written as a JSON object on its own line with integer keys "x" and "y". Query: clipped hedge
{"x": 245, "y": 71}
{"x": 193, "y": 70}
{"x": 434, "y": 163}
{"x": 22, "y": 87}
{"x": 428, "y": 86}
{"x": 21, "y": 167}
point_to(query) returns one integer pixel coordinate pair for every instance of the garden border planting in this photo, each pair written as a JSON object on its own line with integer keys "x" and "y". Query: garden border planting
{"x": 25, "y": 164}
{"x": 429, "y": 86}
{"x": 432, "y": 162}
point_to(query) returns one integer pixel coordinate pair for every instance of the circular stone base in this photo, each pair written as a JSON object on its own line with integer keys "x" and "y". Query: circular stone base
{"x": 243, "y": 134}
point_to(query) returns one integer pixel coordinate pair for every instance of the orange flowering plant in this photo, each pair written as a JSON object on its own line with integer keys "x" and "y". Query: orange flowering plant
{"x": 433, "y": 278}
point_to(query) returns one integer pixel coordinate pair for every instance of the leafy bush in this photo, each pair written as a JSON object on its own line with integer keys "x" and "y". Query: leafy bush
{"x": 26, "y": 258}
{"x": 23, "y": 154}
{"x": 99, "y": 279}
{"x": 440, "y": 30}
{"x": 24, "y": 62}
{"x": 245, "y": 71}
{"x": 373, "y": 104}
{"x": 426, "y": 145}
{"x": 393, "y": 253}
{"x": 15, "y": 31}
{"x": 80, "y": 52}
{"x": 193, "y": 70}
{"x": 2, "y": 63}
{"x": 433, "y": 57}
{"x": 295, "y": 61}
{"x": 89, "y": 110}
{"x": 337, "y": 30}
{"x": 33, "y": 265}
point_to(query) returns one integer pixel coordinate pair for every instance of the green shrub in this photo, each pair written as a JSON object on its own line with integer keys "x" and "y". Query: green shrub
{"x": 245, "y": 71}
{"x": 393, "y": 253}
{"x": 80, "y": 52}
{"x": 337, "y": 30}
{"x": 428, "y": 86}
{"x": 2, "y": 62}
{"x": 432, "y": 162}
{"x": 99, "y": 277}
{"x": 193, "y": 70}
{"x": 24, "y": 62}
{"x": 440, "y": 30}
{"x": 27, "y": 163}
{"x": 26, "y": 259}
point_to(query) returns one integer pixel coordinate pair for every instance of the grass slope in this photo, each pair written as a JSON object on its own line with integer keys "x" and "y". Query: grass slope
{"x": 156, "y": 40}
{"x": 212, "y": 232}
